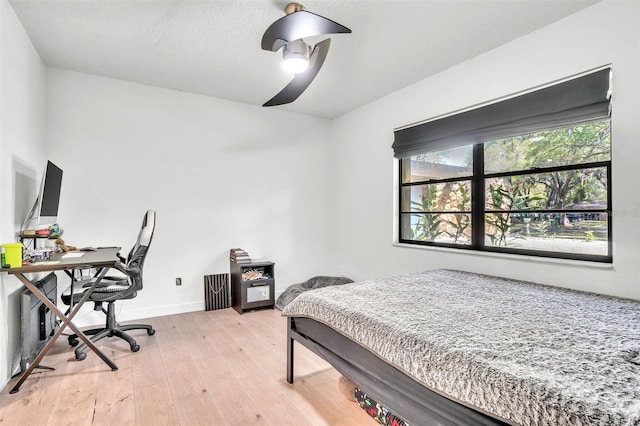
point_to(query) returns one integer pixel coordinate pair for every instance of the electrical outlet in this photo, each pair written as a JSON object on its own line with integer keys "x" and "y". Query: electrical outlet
{"x": 178, "y": 281}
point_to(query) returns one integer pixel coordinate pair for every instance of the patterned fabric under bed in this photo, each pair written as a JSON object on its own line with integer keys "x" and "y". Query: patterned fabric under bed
{"x": 525, "y": 353}
{"x": 377, "y": 411}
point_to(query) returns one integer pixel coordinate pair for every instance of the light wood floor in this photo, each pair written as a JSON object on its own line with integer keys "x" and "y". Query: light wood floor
{"x": 200, "y": 368}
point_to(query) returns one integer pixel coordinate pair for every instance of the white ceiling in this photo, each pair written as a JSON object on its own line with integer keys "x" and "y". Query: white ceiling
{"x": 212, "y": 47}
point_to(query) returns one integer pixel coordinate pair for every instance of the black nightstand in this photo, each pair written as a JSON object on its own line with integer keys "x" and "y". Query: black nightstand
{"x": 248, "y": 294}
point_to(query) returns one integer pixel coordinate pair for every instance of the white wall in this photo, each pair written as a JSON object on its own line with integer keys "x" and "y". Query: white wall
{"x": 22, "y": 154}
{"x": 219, "y": 174}
{"x": 314, "y": 196}
{"x": 608, "y": 32}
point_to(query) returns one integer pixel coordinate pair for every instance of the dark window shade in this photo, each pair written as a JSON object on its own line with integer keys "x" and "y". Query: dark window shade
{"x": 585, "y": 98}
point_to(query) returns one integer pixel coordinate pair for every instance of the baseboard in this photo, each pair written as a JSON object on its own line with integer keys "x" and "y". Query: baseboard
{"x": 94, "y": 319}
{"x": 159, "y": 311}
{"x": 15, "y": 366}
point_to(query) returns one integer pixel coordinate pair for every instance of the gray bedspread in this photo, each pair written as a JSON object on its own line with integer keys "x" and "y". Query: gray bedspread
{"x": 296, "y": 290}
{"x": 526, "y": 353}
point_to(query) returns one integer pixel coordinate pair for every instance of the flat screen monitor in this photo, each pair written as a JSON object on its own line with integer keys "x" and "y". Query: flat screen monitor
{"x": 45, "y": 209}
{"x": 50, "y": 195}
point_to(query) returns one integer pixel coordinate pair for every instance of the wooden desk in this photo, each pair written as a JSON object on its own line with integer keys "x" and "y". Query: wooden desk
{"x": 102, "y": 259}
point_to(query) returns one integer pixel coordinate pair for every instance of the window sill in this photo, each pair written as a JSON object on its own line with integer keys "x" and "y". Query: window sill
{"x": 515, "y": 257}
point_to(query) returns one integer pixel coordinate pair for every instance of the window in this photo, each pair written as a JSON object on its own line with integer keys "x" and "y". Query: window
{"x": 544, "y": 192}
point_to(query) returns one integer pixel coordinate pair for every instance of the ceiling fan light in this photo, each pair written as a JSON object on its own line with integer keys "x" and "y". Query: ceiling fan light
{"x": 296, "y": 56}
{"x": 295, "y": 65}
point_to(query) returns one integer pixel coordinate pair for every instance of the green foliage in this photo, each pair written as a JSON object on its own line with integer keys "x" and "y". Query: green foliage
{"x": 499, "y": 223}
{"x": 460, "y": 222}
{"x": 520, "y": 196}
{"x": 428, "y": 226}
{"x": 542, "y": 228}
{"x": 583, "y": 143}
{"x": 565, "y": 189}
{"x": 579, "y": 144}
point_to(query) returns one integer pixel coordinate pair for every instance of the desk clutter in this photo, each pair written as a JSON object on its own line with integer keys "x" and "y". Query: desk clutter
{"x": 15, "y": 255}
{"x": 27, "y": 251}
{"x": 63, "y": 246}
{"x": 52, "y": 232}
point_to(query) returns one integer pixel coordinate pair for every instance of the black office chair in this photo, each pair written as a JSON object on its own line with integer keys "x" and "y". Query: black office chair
{"x": 113, "y": 288}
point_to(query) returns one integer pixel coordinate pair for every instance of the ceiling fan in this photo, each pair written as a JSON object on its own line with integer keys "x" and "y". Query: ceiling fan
{"x": 288, "y": 33}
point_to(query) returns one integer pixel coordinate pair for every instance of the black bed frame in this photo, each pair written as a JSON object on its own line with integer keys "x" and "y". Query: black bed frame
{"x": 393, "y": 389}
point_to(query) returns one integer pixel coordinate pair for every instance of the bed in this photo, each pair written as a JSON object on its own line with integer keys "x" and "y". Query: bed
{"x": 447, "y": 347}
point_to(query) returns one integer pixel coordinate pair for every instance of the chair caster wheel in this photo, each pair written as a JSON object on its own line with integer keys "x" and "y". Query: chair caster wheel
{"x": 135, "y": 348}
{"x": 73, "y": 341}
{"x": 80, "y": 356}
{"x": 151, "y": 332}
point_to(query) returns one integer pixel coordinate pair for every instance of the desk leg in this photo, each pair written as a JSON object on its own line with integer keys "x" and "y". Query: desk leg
{"x": 42, "y": 353}
{"x": 66, "y": 321}
{"x": 74, "y": 311}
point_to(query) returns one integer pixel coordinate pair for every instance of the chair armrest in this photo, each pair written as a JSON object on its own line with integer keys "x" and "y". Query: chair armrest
{"x": 120, "y": 266}
{"x": 132, "y": 271}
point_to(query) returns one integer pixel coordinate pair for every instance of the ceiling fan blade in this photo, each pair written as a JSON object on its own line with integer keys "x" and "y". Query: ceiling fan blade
{"x": 298, "y": 25}
{"x": 301, "y": 81}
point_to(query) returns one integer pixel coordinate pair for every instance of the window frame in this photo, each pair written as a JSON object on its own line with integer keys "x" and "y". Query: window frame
{"x": 479, "y": 210}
